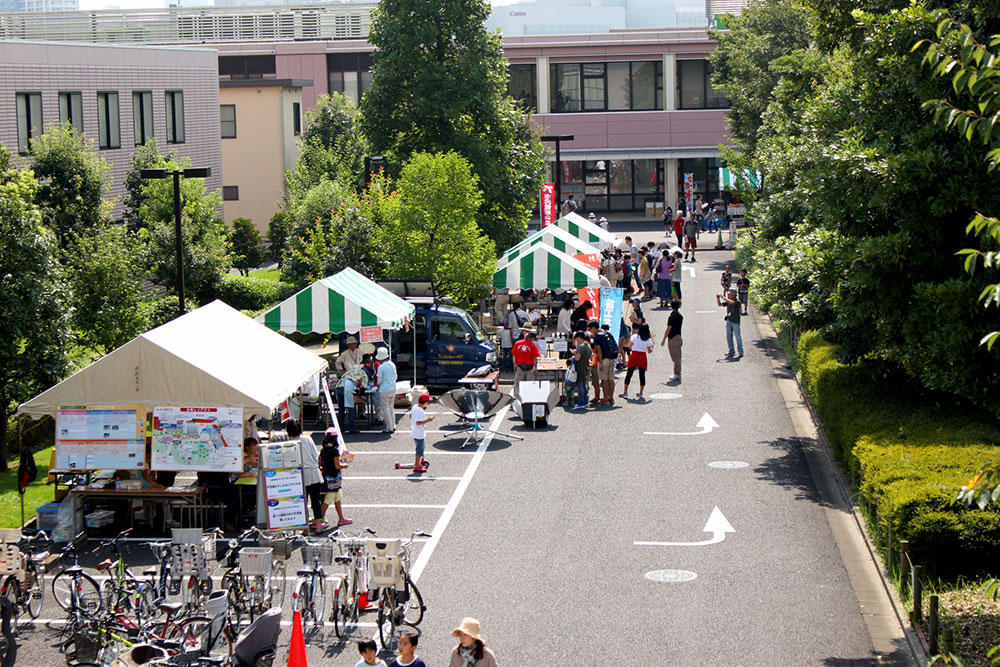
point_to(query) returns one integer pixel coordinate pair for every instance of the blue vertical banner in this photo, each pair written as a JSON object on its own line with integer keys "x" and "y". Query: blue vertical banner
{"x": 611, "y": 307}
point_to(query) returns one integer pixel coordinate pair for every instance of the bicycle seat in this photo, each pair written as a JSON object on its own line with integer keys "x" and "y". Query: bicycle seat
{"x": 104, "y": 564}
{"x": 73, "y": 569}
{"x": 343, "y": 559}
{"x": 149, "y": 573}
{"x": 169, "y": 607}
{"x": 304, "y": 573}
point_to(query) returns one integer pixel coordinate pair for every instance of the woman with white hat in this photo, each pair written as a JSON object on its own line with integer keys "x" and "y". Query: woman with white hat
{"x": 471, "y": 650}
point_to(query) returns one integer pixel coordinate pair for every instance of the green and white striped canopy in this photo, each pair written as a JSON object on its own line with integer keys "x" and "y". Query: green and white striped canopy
{"x": 544, "y": 267}
{"x": 554, "y": 236}
{"x": 342, "y": 302}
{"x": 586, "y": 231}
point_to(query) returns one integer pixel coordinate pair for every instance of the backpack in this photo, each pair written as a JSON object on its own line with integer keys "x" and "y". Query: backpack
{"x": 609, "y": 346}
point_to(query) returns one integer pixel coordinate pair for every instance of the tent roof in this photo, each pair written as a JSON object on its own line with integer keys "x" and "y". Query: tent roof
{"x": 213, "y": 356}
{"x": 345, "y": 301}
{"x": 544, "y": 267}
{"x": 556, "y": 237}
{"x": 585, "y": 230}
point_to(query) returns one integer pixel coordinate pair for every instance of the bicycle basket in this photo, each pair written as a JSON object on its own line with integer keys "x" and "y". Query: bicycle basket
{"x": 256, "y": 561}
{"x": 185, "y": 535}
{"x": 383, "y": 564}
{"x": 350, "y": 546}
{"x": 11, "y": 561}
{"x": 323, "y": 553}
{"x": 282, "y": 547}
{"x": 187, "y": 559}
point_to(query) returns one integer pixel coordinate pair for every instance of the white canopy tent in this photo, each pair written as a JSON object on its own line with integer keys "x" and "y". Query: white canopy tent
{"x": 586, "y": 231}
{"x": 544, "y": 267}
{"x": 556, "y": 237}
{"x": 212, "y": 356}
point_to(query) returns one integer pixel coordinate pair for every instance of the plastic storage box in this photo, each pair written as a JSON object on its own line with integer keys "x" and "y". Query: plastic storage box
{"x": 47, "y": 516}
{"x": 99, "y": 519}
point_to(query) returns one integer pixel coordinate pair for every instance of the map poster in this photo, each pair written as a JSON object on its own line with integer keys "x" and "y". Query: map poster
{"x": 198, "y": 439}
{"x": 97, "y": 437}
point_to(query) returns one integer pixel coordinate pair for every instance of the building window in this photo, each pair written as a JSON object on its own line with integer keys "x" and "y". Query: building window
{"x": 29, "y": 120}
{"x": 142, "y": 116}
{"x": 227, "y": 120}
{"x": 523, "y": 85}
{"x": 247, "y": 67}
{"x": 694, "y": 86}
{"x": 71, "y": 110}
{"x": 706, "y": 176}
{"x": 230, "y": 193}
{"x": 175, "y": 117}
{"x": 296, "y": 118}
{"x": 350, "y": 74}
{"x": 109, "y": 131}
{"x": 613, "y": 86}
{"x": 613, "y": 185}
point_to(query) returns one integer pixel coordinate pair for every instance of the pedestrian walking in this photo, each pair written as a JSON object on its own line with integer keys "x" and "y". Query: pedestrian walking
{"x": 663, "y": 286}
{"x": 726, "y": 280}
{"x": 603, "y": 222}
{"x": 568, "y": 206}
{"x": 331, "y": 466}
{"x": 581, "y": 357}
{"x": 743, "y": 290}
{"x": 605, "y": 351}
{"x": 668, "y": 221}
{"x": 636, "y": 317}
{"x": 676, "y": 273}
{"x": 672, "y": 337}
{"x": 385, "y": 379}
{"x": 312, "y": 479}
{"x": 407, "y": 651}
{"x": 418, "y": 430}
{"x": 642, "y": 345}
{"x": 369, "y": 654}
{"x": 732, "y": 306}
{"x": 691, "y": 233}
{"x": 645, "y": 272}
{"x": 472, "y": 650}
{"x": 679, "y": 227}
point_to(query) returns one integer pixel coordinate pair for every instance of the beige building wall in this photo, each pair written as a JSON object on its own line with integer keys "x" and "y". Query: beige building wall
{"x": 265, "y": 146}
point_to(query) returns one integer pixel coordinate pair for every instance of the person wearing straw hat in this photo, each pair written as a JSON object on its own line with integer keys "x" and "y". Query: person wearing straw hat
{"x": 471, "y": 650}
{"x": 385, "y": 378}
{"x": 349, "y": 358}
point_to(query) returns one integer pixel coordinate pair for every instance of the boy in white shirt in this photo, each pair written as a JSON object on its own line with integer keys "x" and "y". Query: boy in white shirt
{"x": 418, "y": 421}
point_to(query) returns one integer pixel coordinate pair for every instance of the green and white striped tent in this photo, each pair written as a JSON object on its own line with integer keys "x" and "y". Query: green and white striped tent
{"x": 586, "y": 231}
{"x": 342, "y": 302}
{"x": 554, "y": 236}
{"x": 544, "y": 267}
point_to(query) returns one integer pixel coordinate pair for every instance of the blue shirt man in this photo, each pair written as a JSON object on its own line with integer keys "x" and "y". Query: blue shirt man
{"x": 386, "y": 376}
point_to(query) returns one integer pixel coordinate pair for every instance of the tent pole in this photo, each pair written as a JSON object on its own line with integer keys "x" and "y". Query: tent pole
{"x": 20, "y": 489}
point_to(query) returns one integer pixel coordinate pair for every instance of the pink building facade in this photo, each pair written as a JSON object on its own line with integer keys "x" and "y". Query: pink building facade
{"x": 118, "y": 97}
{"x": 639, "y": 104}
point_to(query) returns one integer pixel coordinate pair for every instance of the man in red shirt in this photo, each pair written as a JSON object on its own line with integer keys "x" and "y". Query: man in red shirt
{"x": 679, "y": 228}
{"x": 525, "y": 354}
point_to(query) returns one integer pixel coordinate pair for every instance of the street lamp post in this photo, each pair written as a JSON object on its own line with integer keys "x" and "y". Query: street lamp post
{"x": 557, "y": 138}
{"x": 178, "y": 238}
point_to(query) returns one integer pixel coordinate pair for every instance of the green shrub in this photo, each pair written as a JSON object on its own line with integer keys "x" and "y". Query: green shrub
{"x": 913, "y": 451}
{"x": 251, "y": 293}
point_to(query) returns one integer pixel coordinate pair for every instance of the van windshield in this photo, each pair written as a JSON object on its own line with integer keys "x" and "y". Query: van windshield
{"x": 474, "y": 328}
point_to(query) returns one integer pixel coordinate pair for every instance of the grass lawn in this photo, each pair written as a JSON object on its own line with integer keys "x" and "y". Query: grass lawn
{"x": 267, "y": 274}
{"x": 37, "y": 493}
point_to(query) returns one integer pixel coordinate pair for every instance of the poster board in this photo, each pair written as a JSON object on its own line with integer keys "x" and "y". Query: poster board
{"x": 190, "y": 438}
{"x": 96, "y": 437}
{"x": 371, "y": 334}
{"x": 283, "y": 490}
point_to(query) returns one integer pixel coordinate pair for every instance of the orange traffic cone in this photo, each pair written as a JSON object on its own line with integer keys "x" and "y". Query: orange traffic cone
{"x": 297, "y": 649}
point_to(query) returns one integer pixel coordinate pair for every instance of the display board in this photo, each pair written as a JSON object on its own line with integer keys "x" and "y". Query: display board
{"x": 283, "y": 489}
{"x": 198, "y": 439}
{"x": 95, "y": 437}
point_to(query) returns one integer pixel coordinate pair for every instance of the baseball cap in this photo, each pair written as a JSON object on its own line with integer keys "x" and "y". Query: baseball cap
{"x": 424, "y": 398}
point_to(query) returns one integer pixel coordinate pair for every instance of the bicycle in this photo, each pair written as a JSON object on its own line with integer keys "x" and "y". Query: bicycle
{"x": 25, "y": 588}
{"x": 75, "y": 591}
{"x": 8, "y": 647}
{"x": 309, "y": 594}
{"x": 122, "y": 590}
{"x": 254, "y": 581}
{"x": 347, "y": 593}
{"x": 400, "y": 601}
{"x": 188, "y": 567}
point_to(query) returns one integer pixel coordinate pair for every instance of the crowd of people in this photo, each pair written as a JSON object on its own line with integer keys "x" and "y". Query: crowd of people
{"x": 471, "y": 650}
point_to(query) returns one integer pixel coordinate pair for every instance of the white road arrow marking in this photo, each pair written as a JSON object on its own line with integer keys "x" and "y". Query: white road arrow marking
{"x": 717, "y": 524}
{"x": 703, "y": 312}
{"x": 688, "y": 268}
{"x": 706, "y": 424}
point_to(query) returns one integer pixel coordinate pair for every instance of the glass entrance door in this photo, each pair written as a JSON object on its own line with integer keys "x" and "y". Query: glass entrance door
{"x": 595, "y": 174}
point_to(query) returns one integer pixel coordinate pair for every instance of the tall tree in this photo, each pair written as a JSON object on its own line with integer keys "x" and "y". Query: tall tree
{"x": 72, "y": 180}
{"x": 145, "y": 157}
{"x": 432, "y": 231}
{"x": 245, "y": 241}
{"x": 32, "y": 299}
{"x": 333, "y": 146}
{"x": 439, "y": 84}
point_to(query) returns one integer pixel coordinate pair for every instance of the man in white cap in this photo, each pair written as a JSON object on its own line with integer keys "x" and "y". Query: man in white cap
{"x": 349, "y": 358}
{"x": 385, "y": 379}
{"x": 603, "y": 222}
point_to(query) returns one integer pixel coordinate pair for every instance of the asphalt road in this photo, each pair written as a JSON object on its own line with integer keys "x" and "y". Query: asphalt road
{"x": 537, "y": 537}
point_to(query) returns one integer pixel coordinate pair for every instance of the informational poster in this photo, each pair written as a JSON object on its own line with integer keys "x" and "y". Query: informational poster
{"x": 283, "y": 490}
{"x": 611, "y": 307}
{"x": 276, "y": 455}
{"x": 592, "y": 294}
{"x": 96, "y": 437}
{"x": 547, "y": 204}
{"x": 284, "y": 483}
{"x": 286, "y": 512}
{"x": 372, "y": 334}
{"x": 198, "y": 439}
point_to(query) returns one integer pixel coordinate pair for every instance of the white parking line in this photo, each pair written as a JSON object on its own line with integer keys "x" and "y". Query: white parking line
{"x": 407, "y": 478}
{"x": 397, "y": 507}
{"x": 399, "y": 430}
{"x": 409, "y": 452}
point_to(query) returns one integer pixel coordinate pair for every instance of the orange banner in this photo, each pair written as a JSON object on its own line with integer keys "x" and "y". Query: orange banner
{"x": 593, "y": 295}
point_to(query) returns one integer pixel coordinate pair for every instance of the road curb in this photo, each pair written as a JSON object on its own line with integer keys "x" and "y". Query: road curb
{"x": 880, "y": 606}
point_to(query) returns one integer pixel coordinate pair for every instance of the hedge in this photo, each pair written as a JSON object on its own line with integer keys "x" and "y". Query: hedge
{"x": 912, "y": 452}
{"x": 252, "y": 294}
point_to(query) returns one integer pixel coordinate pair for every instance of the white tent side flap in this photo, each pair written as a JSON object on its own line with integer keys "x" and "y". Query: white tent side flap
{"x": 213, "y": 356}
{"x": 585, "y": 230}
{"x": 556, "y": 237}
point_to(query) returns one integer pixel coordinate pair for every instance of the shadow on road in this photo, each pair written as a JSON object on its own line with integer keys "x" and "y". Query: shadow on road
{"x": 788, "y": 468}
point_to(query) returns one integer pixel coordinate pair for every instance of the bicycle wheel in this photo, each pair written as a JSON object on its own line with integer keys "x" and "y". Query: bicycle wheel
{"x": 277, "y": 583}
{"x": 88, "y": 594}
{"x": 8, "y": 647}
{"x": 388, "y": 620}
{"x": 36, "y": 591}
{"x": 413, "y": 608}
{"x": 11, "y": 591}
{"x": 302, "y": 600}
{"x": 258, "y": 596}
{"x": 198, "y": 634}
{"x": 318, "y": 600}
{"x": 235, "y": 604}
{"x": 190, "y": 593}
{"x": 341, "y": 609}
{"x": 109, "y": 595}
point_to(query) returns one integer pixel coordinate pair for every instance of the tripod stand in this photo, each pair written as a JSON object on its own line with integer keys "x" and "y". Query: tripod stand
{"x": 473, "y": 405}
{"x": 476, "y": 432}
